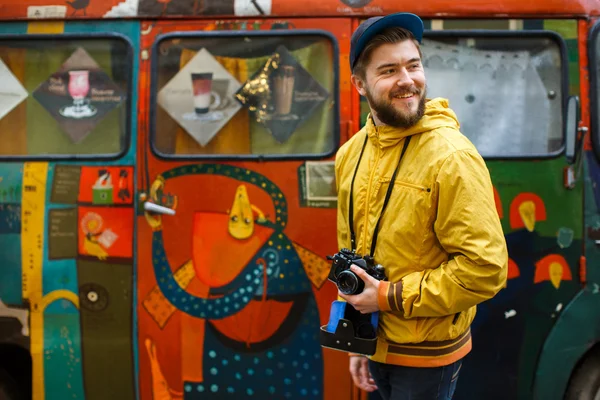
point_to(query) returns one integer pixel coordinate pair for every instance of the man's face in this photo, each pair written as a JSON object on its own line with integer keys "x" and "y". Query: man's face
{"x": 394, "y": 84}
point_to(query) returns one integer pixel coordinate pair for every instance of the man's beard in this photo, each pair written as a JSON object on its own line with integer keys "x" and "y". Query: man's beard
{"x": 389, "y": 115}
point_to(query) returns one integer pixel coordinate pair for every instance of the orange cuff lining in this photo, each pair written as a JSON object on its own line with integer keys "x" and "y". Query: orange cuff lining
{"x": 382, "y": 296}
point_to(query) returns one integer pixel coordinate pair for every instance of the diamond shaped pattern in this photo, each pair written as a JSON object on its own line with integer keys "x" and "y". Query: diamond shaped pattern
{"x": 12, "y": 93}
{"x": 282, "y": 95}
{"x": 79, "y": 95}
{"x": 200, "y": 97}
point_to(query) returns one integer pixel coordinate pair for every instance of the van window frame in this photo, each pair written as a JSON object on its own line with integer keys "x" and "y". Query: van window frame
{"x": 243, "y": 157}
{"x": 125, "y": 141}
{"x": 593, "y": 64}
{"x": 564, "y": 73}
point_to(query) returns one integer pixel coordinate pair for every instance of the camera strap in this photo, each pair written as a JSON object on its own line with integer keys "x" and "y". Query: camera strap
{"x": 385, "y": 201}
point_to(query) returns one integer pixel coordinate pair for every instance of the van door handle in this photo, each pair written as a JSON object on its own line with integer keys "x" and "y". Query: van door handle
{"x": 155, "y": 208}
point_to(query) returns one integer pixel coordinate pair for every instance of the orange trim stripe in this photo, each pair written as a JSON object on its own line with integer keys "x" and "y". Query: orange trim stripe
{"x": 429, "y": 351}
{"x": 398, "y": 293}
{"x": 412, "y": 361}
{"x": 391, "y": 297}
{"x": 432, "y": 345}
{"x": 382, "y": 296}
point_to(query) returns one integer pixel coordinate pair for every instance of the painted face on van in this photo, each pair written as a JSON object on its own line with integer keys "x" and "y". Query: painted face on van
{"x": 395, "y": 84}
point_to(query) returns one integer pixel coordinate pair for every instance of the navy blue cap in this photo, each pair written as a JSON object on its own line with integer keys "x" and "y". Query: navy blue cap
{"x": 373, "y": 26}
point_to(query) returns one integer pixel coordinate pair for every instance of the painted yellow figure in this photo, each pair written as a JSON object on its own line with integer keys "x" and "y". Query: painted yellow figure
{"x": 556, "y": 274}
{"x": 527, "y": 212}
{"x": 93, "y": 248}
{"x": 91, "y": 225}
{"x": 241, "y": 217}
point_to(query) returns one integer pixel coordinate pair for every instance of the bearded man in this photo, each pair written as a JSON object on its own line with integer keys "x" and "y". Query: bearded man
{"x": 414, "y": 193}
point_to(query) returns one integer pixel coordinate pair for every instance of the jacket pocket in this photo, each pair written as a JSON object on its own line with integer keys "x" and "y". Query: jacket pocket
{"x": 413, "y": 186}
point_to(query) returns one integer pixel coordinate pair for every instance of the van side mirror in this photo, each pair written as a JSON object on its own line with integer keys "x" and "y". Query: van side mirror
{"x": 573, "y": 139}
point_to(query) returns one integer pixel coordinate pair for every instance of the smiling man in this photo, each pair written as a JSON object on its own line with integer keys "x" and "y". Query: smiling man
{"x": 415, "y": 194}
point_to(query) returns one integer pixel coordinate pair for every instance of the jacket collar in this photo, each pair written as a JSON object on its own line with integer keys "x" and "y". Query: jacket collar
{"x": 437, "y": 114}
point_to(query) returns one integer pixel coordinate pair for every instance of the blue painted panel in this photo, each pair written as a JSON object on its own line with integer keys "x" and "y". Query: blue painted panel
{"x": 10, "y": 270}
{"x": 63, "y": 377}
{"x": 13, "y": 28}
{"x": 11, "y": 178}
{"x": 10, "y": 218}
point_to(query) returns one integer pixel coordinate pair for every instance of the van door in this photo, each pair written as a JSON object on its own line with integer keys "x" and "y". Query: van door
{"x": 67, "y": 168}
{"x": 240, "y": 122}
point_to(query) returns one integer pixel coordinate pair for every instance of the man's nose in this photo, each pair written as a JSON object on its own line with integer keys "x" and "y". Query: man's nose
{"x": 404, "y": 78}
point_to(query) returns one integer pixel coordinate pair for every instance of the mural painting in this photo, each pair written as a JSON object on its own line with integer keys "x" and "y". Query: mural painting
{"x": 245, "y": 299}
{"x": 75, "y": 271}
{"x": 540, "y": 284}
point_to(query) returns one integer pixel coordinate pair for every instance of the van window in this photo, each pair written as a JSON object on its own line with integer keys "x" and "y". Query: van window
{"x": 64, "y": 96}
{"x": 245, "y": 95}
{"x": 508, "y": 91}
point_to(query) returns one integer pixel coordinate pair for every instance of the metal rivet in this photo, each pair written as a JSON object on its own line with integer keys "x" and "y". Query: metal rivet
{"x": 551, "y": 94}
{"x": 345, "y": 325}
{"x": 349, "y": 344}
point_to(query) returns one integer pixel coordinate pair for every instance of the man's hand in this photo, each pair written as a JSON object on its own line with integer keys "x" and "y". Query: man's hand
{"x": 359, "y": 369}
{"x": 365, "y": 302}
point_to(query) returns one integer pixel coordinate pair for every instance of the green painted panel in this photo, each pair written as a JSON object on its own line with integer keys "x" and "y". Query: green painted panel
{"x": 565, "y": 28}
{"x": 563, "y": 207}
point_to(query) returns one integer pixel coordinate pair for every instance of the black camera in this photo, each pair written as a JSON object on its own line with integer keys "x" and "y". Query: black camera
{"x": 348, "y": 329}
{"x": 346, "y": 280}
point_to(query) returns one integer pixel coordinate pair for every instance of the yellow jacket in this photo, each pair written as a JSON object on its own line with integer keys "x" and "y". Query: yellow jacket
{"x": 440, "y": 239}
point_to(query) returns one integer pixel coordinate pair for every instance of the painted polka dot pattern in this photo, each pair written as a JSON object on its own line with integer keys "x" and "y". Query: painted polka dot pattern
{"x": 290, "y": 370}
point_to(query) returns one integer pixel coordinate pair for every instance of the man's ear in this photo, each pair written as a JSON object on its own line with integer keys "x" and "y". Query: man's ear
{"x": 359, "y": 84}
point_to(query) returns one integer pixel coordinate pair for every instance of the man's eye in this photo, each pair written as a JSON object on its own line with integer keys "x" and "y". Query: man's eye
{"x": 388, "y": 71}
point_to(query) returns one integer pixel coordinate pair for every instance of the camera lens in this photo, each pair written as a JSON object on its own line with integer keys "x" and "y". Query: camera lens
{"x": 349, "y": 283}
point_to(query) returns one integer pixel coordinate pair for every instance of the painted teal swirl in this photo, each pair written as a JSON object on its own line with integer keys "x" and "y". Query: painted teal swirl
{"x": 243, "y": 175}
{"x": 239, "y": 296}
{"x": 215, "y": 308}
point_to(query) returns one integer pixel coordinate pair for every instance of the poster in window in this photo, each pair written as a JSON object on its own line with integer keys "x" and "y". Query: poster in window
{"x": 12, "y": 93}
{"x": 200, "y": 97}
{"x": 79, "y": 95}
{"x": 282, "y": 95}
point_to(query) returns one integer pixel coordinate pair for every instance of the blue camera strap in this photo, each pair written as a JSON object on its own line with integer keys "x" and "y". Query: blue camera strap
{"x": 385, "y": 202}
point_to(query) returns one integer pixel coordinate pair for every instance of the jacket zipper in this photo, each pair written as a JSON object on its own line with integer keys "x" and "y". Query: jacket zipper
{"x": 368, "y": 199}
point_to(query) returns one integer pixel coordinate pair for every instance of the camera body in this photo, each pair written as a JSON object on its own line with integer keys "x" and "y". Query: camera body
{"x": 348, "y": 329}
{"x": 346, "y": 280}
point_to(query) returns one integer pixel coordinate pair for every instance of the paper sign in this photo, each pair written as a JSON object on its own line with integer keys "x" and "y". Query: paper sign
{"x": 200, "y": 97}
{"x": 79, "y": 95}
{"x": 12, "y": 93}
{"x": 282, "y": 95}
{"x": 62, "y": 231}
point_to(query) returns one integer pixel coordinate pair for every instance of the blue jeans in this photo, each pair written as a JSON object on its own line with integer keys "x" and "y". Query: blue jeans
{"x": 408, "y": 383}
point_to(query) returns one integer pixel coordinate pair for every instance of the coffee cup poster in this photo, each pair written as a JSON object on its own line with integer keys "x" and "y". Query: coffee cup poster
{"x": 79, "y": 95}
{"x": 200, "y": 97}
{"x": 282, "y": 95}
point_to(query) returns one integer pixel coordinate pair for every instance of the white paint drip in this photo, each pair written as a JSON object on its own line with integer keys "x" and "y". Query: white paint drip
{"x": 509, "y": 314}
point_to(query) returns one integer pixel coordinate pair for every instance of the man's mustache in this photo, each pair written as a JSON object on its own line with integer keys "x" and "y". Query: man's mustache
{"x": 403, "y": 92}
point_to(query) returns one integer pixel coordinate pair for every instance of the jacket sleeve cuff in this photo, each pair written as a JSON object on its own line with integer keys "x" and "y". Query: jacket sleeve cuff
{"x": 389, "y": 296}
